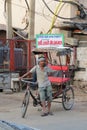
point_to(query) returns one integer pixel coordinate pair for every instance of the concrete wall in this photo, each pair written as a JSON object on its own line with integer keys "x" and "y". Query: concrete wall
{"x": 82, "y": 64}
{"x": 18, "y": 13}
{"x": 2, "y": 13}
{"x": 43, "y": 17}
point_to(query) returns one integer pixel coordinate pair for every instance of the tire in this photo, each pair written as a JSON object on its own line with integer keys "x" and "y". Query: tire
{"x": 68, "y": 98}
{"x": 25, "y": 103}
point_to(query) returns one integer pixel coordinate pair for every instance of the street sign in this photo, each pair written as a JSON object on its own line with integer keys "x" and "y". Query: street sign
{"x": 49, "y": 40}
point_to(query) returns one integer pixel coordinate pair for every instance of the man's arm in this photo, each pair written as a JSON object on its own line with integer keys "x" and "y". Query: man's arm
{"x": 28, "y": 73}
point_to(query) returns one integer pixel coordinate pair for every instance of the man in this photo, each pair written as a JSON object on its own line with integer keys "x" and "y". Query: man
{"x": 44, "y": 85}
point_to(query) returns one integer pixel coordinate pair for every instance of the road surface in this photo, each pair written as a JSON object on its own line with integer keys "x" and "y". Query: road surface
{"x": 75, "y": 119}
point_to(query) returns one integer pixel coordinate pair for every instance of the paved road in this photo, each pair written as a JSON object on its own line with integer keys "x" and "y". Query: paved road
{"x": 75, "y": 119}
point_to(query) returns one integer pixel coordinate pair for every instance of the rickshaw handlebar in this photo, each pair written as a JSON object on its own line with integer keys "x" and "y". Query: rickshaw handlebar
{"x": 28, "y": 82}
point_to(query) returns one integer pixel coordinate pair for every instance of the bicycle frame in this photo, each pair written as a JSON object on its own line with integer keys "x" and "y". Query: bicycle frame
{"x": 29, "y": 89}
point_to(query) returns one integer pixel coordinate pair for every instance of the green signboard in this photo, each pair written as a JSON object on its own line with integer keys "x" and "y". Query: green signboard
{"x": 49, "y": 40}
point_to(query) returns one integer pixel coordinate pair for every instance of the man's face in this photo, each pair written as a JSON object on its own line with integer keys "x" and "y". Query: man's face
{"x": 42, "y": 63}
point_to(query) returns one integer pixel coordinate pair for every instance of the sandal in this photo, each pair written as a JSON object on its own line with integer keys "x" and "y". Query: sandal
{"x": 44, "y": 114}
{"x": 50, "y": 113}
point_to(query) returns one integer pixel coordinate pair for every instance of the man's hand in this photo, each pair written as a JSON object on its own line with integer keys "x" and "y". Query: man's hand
{"x": 20, "y": 78}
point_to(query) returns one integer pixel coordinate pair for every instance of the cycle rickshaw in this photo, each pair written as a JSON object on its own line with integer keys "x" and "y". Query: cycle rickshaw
{"x": 61, "y": 83}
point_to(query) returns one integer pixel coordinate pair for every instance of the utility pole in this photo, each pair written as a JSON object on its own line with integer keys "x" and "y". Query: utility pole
{"x": 30, "y": 32}
{"x": 31, "y": 19}
{"x": 9, "y": 19}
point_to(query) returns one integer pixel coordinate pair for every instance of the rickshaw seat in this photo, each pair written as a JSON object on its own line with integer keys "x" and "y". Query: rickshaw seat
{"x": 59, "y": 67}
{"x": 58, "y": 79}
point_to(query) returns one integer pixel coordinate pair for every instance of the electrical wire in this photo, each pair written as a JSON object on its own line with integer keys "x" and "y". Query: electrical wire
{"x": 38, "y": 13}
{"x": 78, "y": 4}
{"x": 46, "y": 16}
{"x": 81, "y": 26}
{"x": 54, "y": 17}
{"x": 27, "y": 5}
{"x": 20, "y": 6}
{"x": 72, "y": 2}
{"x": 57, "y": 15}
{"x": 13, "y": 4}
{"x": 27, "y": 25}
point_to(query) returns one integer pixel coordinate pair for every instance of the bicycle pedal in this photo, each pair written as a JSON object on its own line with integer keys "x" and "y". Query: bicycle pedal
{"x": 35, "y": 103}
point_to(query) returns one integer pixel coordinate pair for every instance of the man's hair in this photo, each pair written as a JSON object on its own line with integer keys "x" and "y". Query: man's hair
{"x": 41, "y": 58}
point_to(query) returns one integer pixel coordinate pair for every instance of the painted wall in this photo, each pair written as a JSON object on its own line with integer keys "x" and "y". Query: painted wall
{"x": 18, "y": 13}
{"x": 2, "y": 14}
{"x": 43, "y": 17}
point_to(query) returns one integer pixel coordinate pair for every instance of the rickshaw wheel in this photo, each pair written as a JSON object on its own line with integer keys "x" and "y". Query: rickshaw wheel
{"x": 25, "y": 103}
{"x": 68, "y": 98}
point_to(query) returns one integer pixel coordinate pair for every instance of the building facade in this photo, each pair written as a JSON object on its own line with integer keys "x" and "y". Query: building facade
{"x": 68, "y": 18}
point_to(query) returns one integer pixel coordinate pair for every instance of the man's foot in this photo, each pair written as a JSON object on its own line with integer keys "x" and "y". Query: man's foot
{"x": 44, "y": 114}
{"x": 50, "y": 113}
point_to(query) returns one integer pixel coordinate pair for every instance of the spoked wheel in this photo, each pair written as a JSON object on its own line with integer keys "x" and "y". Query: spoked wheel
{"x": 25, "y": 103}
{"x": 68, "y": 98}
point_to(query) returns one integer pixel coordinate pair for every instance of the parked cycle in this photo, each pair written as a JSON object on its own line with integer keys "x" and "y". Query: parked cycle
{"x": 65, "y": 93}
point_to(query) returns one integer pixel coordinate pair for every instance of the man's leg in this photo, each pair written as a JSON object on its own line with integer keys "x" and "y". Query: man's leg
{"x": 42, "y": 98}
{"x": 49, "y": 106}
{"x": 49, "y": 94}
{"x": 44, "y": 106}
